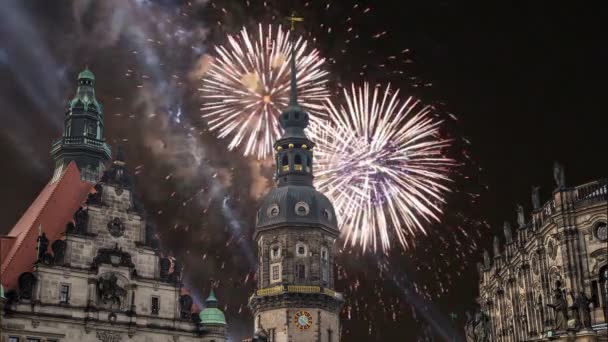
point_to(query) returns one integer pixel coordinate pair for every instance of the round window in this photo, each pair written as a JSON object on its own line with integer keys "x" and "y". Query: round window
{"x": 601, "y": 231}
{"x": 327, "y": 214}
{"x": 302, "y": 209}
{"x": 273, "y": 210}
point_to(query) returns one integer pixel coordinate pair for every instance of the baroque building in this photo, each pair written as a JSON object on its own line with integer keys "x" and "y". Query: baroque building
{"x": 548, "y": 278}
{"x": 295, "y": 231}
{"x": 82, "y": 264}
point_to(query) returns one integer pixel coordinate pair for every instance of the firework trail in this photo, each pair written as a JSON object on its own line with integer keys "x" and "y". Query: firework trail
{"x": 381, "y": 161}
{"x": 247, "y": 87}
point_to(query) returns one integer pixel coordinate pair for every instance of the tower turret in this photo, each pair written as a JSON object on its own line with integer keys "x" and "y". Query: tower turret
{"x": 82, "y": 140}
{"x": 295, "y": 233}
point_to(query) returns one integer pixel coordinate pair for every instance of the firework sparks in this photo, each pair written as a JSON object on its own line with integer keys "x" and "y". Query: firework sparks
{"x": 380, "y": 159}
{"x": 247, "y": 87}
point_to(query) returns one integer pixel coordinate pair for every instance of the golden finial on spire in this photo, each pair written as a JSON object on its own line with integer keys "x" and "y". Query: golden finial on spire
{"x": 293, "y": 19}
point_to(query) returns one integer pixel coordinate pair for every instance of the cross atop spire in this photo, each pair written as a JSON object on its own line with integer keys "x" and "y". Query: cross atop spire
{"x": 293, "y": 19}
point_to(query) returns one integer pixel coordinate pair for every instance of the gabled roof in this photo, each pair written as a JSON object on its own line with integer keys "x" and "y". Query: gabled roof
{"x": 53, "y": 209}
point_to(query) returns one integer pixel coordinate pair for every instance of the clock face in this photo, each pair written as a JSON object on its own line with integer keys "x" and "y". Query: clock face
{"x": 303, "y": 320}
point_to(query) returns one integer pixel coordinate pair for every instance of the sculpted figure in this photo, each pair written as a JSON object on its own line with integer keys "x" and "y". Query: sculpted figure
{"x": 508, "y": 232}
{"x": 43, "y": 245}
{"x": 521, "y": 220}
{"x": 560, "y": 307}
{"x": 559, "y": 175}
{"x": 584, "y": 312}
{"x": 536, "y": 197}
{"x": 486, "y": 259}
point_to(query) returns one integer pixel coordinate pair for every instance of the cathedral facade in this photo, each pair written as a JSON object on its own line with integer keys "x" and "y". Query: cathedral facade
{"x": 295, "y": 232}
{"x": 83, "y": 264}
{"x": 548, "y": 278}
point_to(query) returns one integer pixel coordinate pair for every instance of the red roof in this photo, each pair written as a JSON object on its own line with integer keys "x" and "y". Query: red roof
{"x": 53, "y": 209}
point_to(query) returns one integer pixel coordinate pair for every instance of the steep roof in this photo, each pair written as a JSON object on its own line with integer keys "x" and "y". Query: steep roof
{"x": 53, "y": 208}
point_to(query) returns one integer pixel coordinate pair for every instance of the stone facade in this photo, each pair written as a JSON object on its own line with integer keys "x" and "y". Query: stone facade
{"x": 548, "y": 279}
{"x": 107, "y": 283}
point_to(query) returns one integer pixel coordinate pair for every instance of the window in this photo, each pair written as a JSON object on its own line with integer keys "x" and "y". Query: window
{"x": 594, "y": 294}
{"x": 285, "y": 163}
{"x": 155, "y": 306}
{"x": 275, "y": 252}
{"x": 601, "y": 231}
{"x": 301, "y": 271}
{"x": 33, "y": 339}
{"x": 275, "y": 273}
{"x": 300, "y": 249}
{"x": 64, "y": 294}
{"x": 271, "y": 335}
{"x": 329, "y": 335}
{"x": 298, "y": 163}
{"x": 13, "y": 339}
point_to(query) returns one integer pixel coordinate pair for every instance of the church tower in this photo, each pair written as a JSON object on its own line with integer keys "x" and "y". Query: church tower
{"x": 82, "y": 140}
{"x": 295, "y": 233}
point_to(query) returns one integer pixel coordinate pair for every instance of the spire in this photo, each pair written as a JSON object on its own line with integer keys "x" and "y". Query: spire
{"x": 82, "y": 139}
{"x": 293, "y": 101}
{"x": 293, "y": 149}
{"x": 211, "y": 301}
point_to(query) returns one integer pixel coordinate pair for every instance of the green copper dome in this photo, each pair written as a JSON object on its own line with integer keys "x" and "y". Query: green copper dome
{"x": 211, "y": 314}
{"x": 86, "y": 73}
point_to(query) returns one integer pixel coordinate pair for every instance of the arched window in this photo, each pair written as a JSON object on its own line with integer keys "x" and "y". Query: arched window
{"x": 285, "y": 163}
{"x": 308, "y": 164}
{"x": 301, "y": 249}
{"x": 275, "y": 252}
{"x": 298, "y": 163}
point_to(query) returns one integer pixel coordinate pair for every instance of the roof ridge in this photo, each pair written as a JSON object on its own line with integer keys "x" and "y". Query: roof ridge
{"x": 55, "y": 185}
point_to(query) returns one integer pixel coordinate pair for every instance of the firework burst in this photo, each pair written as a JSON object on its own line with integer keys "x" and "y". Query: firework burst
{"x": 380, "y": 159}
{"x": 247, "y": 87}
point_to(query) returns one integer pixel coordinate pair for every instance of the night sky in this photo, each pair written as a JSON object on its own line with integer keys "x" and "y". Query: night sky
{"x": 525, "y": 83}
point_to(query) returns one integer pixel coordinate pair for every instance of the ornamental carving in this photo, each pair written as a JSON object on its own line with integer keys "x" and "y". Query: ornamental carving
{"x": 110, "y": 293}
{"x": 113, "y": 256}
{"x": 551, "y": 249}
{"x": 535, "y": 265}
{"x": 108, "y": 336}
{"x": 116, "y": 227}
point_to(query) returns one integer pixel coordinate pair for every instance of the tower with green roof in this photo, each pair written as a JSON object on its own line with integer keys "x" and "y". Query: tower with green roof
{"x": 82, "y": 140}
{"x": 212, "y": 319}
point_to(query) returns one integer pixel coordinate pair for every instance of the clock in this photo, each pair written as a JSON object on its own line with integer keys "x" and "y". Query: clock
{"x": 303, "y": 320}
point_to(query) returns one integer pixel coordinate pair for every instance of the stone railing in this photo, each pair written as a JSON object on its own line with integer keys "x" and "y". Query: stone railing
{"x": 279, "y": 289}
{"x": 594, "y": 191}
{"x": 81, "y": 140}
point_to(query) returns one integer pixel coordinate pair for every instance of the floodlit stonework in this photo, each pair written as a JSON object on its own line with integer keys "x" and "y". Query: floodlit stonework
{"x": 102, "y": 276}
{"x": 547, "y": 278}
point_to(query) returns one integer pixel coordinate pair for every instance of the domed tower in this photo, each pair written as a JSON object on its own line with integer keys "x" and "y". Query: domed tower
{"x": 213, "y": 320}
{"x": 82, "y": 139}
{"x": 295, "y": 233}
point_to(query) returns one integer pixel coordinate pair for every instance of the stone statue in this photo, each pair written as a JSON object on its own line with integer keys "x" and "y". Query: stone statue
{"x": 536, "y": 197}
{"x": 469, "y": 327}
{"x": 575, "y": 313}
{"x": 176, "y": 276}
{"x": 81, "y": 220}
{"x": 165, "y": 265}
{"x": 521, "y": 220}
{"x": 496, "y": 246}
{"x": 486, "y": 259}
{"x": 482, "y": 328}
{"x": 58, "y": 248}
{"x": 508, "y": 232}
{"x": 560, "y": 307}
{"x": 26, "y": 285}
{"x": 480, "y": 269}
{"x": 95, "y": 198}
{"x": 559, "y": 175}
{"x": 185, "y": 306}
{"x": 43, "y": 245}
{"x": 584, "y": 312}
